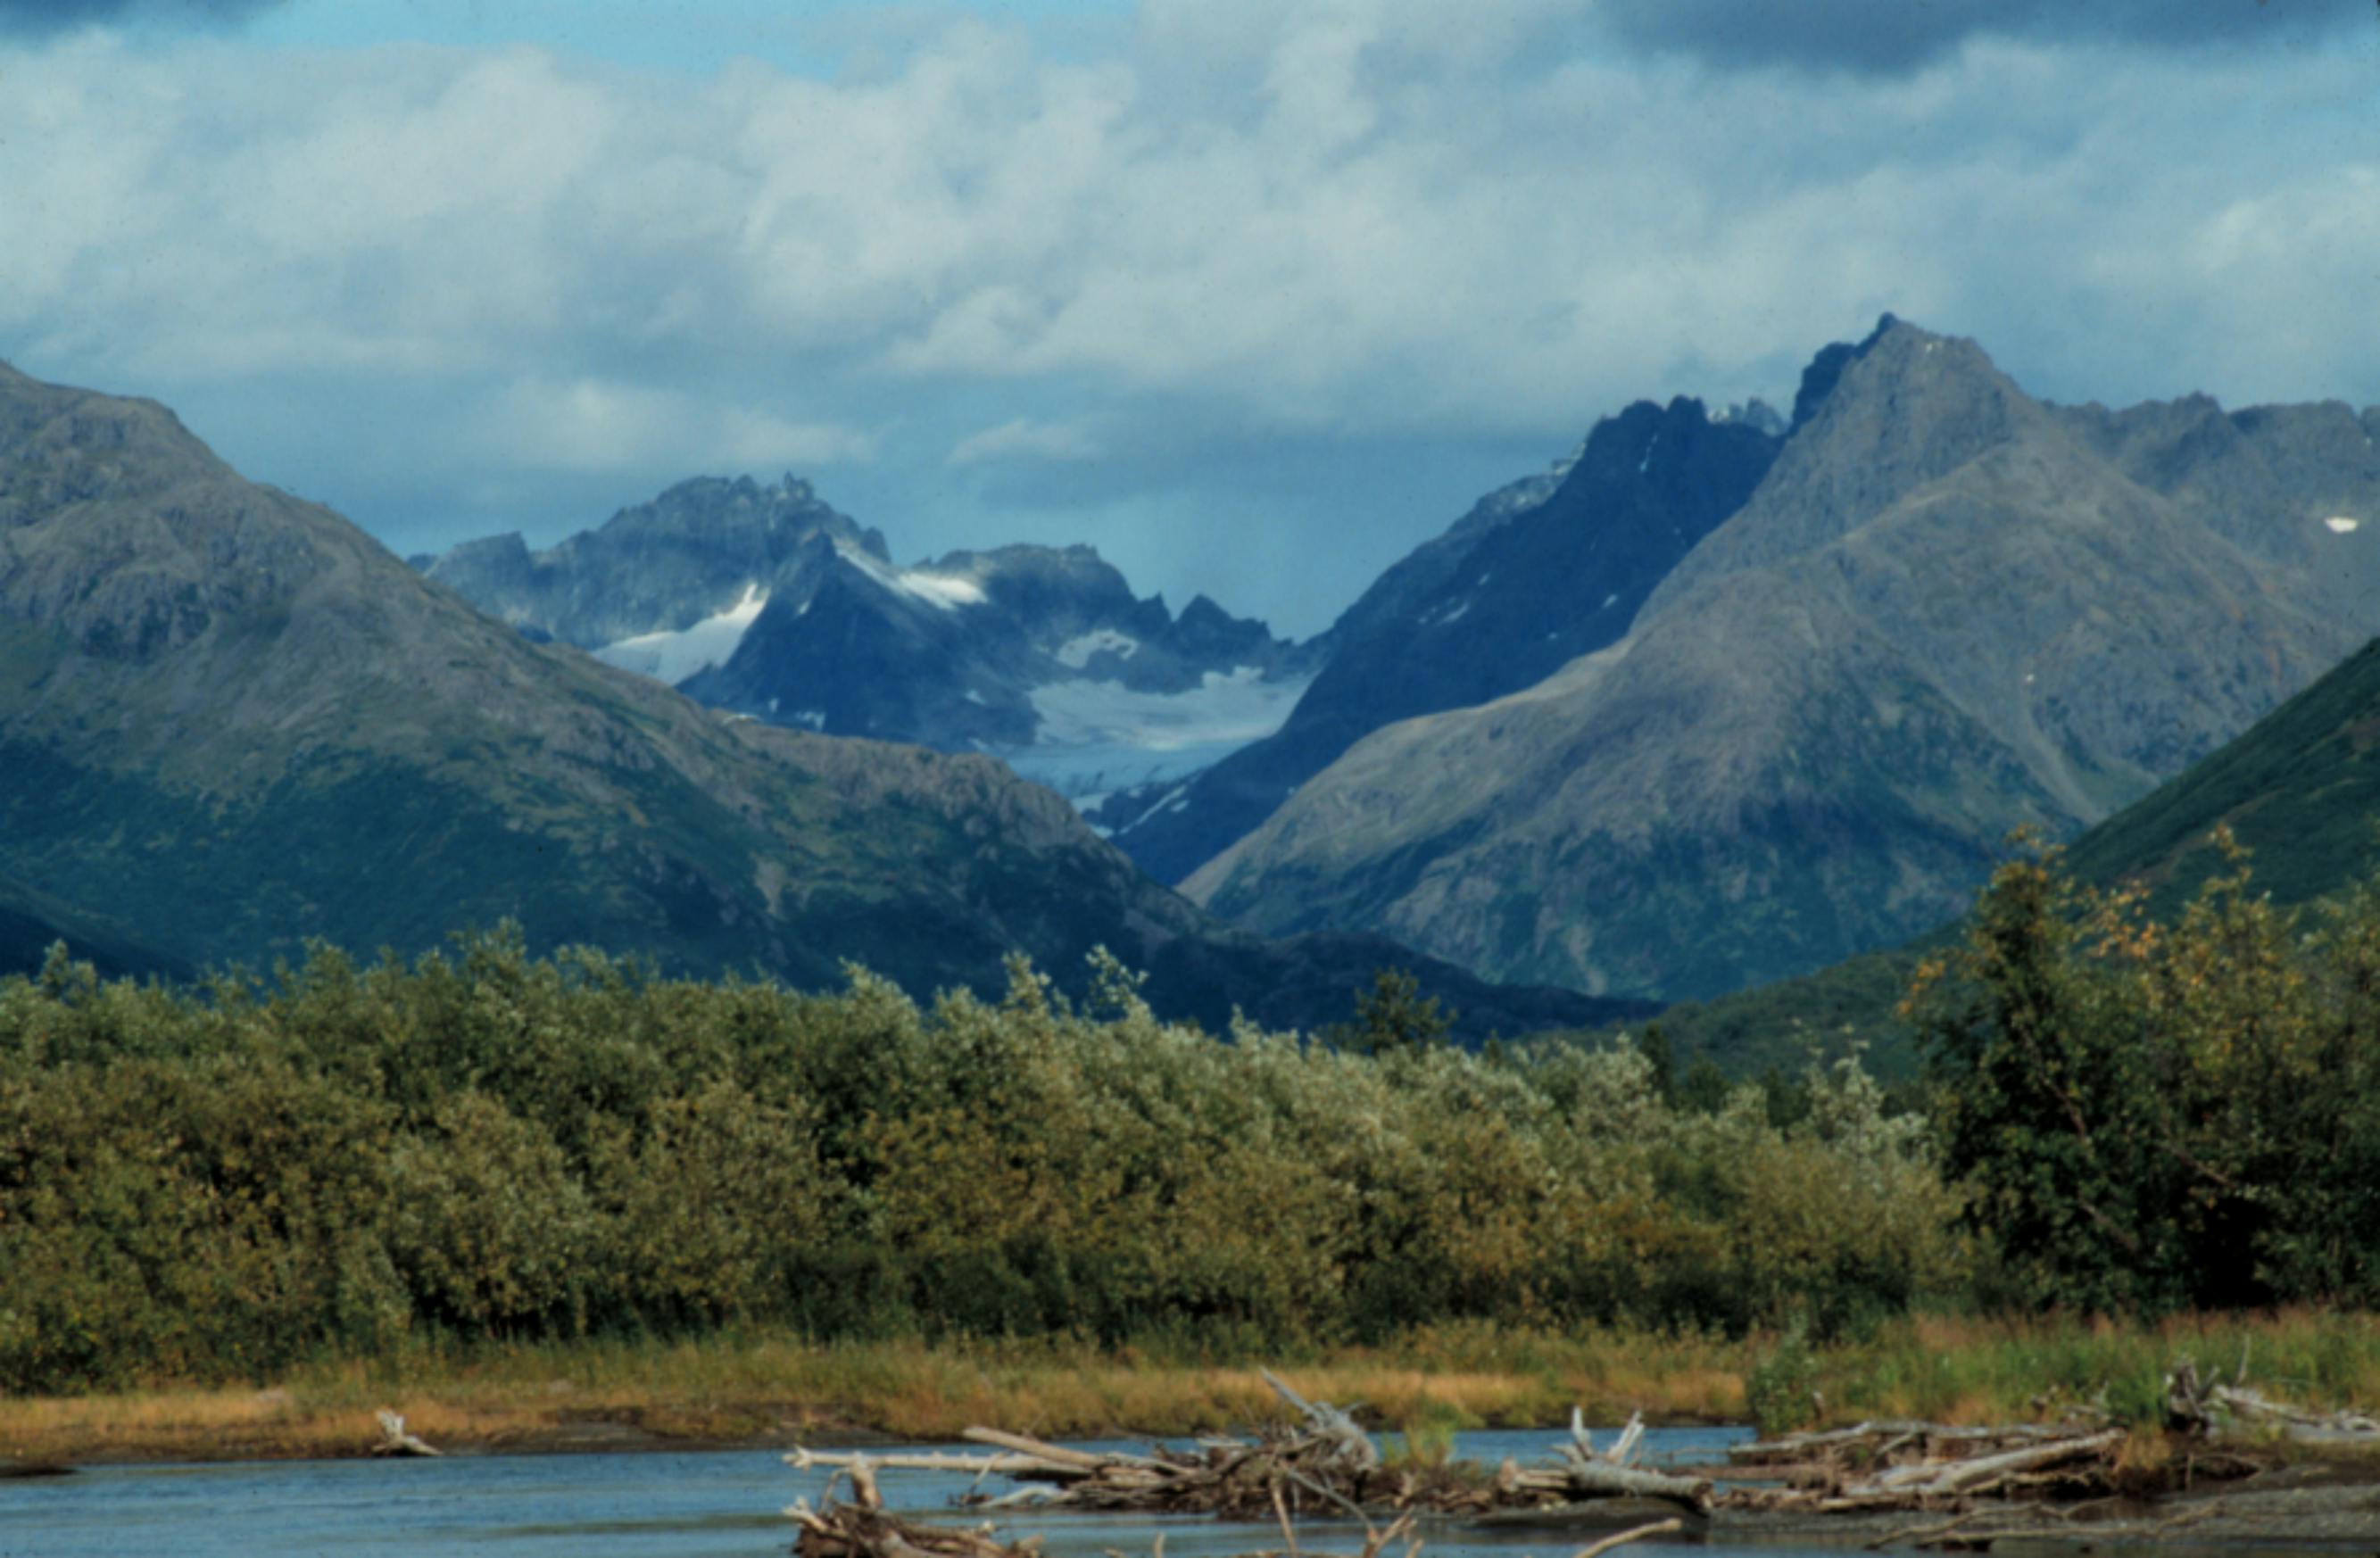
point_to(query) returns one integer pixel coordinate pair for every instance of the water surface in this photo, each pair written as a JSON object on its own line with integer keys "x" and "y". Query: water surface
{"x": 641, "y": 1504}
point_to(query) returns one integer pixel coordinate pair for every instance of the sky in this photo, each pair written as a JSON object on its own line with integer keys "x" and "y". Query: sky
{"x": 1252, "y": 294}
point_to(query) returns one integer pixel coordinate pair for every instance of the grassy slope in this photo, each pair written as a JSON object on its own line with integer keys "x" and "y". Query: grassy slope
{"x": 2302, "y": 789}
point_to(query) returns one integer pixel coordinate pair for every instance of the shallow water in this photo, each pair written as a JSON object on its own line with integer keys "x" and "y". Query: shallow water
{"x": 634, "y": 1505}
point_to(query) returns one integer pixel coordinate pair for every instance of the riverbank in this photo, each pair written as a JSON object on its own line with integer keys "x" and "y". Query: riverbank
{"x": 746, "y": 1388}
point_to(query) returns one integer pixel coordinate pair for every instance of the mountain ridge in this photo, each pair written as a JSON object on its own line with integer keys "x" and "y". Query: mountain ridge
{"x": 768, "y": 602}
{"x": 1535, "y": 575}
{"x": 230, "y": 722}
{"x": 1946, "y": 612}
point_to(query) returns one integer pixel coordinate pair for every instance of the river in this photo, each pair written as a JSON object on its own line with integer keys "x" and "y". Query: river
{"x": 645, "y": 1504}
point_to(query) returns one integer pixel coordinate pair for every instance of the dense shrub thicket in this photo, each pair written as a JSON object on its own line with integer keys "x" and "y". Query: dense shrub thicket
{"x": 2154, "y": 1116}
{"x": 217, "y": 1182}
{"x": 214, "y": 1182}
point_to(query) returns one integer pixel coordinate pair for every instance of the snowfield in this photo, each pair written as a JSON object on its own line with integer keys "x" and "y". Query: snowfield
{"x": 1098, "y": 737}
{"x": 673, "y": 657}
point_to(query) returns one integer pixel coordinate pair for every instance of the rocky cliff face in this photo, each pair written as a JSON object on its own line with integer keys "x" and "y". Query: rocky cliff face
{"x": 1946, "y": 610}
{"x": 689, "y": 556}
{"x": 1535, "y": 577}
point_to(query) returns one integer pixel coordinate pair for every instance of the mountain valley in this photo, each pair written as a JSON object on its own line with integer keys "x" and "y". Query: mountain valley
{"x": 232, "y": 723}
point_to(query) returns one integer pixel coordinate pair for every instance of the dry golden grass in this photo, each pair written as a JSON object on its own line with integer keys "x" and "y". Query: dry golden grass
{"x": 745, "y": 1387}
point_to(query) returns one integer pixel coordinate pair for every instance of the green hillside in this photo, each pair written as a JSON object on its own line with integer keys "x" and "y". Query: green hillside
{"x": 2302, "y": 790}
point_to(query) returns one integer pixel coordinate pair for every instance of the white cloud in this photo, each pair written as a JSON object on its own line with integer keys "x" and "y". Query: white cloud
{"x": 1028, "y": 439}
{"x": 590, "y": 425}
{"x": 1392, "y": 218}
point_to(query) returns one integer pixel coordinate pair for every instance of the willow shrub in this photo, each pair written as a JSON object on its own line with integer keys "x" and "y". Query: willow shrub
{"x": 213, "y": 1183}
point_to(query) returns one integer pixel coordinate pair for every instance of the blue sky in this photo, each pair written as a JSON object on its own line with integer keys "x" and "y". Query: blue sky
{"x": 1253, "y": 296}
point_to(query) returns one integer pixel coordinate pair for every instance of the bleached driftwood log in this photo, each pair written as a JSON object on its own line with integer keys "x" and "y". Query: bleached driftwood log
{"x": 801, "y": 1459}
{"x": 2212, "y": 1410}
{"x": 1881, "y": 1466}
{"x": 1577, "y": 1472}
{"x": 1619, "y": 1540}
{"x": 1350, "y": 1448}
{"x": 394, "y": 1440}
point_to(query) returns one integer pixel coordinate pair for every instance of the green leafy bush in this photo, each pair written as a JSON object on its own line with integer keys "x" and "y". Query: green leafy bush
{"x": 210, "y": 1182}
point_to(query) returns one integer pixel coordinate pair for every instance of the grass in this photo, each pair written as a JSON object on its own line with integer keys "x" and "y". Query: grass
{"x": 745, "y": 1387}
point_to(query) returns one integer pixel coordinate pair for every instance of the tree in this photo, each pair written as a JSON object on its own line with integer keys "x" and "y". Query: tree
{"x": 1391, "y": 1017}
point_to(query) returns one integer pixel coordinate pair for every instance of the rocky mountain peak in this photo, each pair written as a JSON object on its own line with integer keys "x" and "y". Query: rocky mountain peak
{"x": 80, "y": 446}
{"x": 1873, "y": 423}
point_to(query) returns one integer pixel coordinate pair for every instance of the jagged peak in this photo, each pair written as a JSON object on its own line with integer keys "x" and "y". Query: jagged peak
{"x": 1887, "y": 359}
{"x": 1202, "y": 608}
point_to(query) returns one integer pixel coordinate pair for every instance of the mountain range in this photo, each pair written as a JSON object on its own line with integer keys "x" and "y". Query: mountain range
{"x": 1944, "y": 609}
{"x": 1538, "y": 573}
{"x": 1716, "y": 699}
{"x": 231, "y": 723}
{"x": 766, "y": 602}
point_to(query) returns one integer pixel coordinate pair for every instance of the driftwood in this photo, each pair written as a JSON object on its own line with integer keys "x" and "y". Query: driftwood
{"x": 1578, "y": 1472}
{"x": 1880, "y": 1467}
{"x": 394, "y": 1440}
{"x": 864, "y": 1528}
{"x": 1320, "y": 1461}
{"x": 1657, "y": 1528}
{"x": 2210, "y": 1409}
{"x": 1347, "y": 1446}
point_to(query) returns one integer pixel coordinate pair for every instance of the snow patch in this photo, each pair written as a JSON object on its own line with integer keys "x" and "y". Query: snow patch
{"x": 942, "y": 591}
{"x": 674, "y": 657}
{"x": 949, "y": 591}
{"x": 2341, "y": 525}
{"x": 1610, "y": 601}
{"x": 1075, "y": 653}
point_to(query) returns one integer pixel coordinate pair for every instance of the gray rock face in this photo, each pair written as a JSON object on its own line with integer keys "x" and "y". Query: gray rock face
{"x": 1947, "y": 609}
{"x": 661, "y": 566}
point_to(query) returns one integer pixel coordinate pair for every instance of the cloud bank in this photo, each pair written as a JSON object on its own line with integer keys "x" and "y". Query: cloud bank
{"x": 1364, "y": 225}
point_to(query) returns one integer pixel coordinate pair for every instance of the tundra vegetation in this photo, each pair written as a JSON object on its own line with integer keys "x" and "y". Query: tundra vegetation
{"x": 572, "y": 1160}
